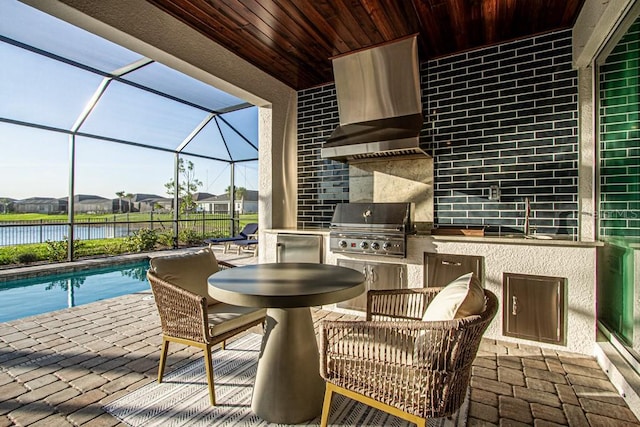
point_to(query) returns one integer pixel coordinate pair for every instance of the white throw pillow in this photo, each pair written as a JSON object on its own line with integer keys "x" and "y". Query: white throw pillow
{"x": 460, "y": 298}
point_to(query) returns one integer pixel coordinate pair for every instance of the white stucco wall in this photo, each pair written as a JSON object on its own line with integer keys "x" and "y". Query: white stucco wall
{"x": 574, "y": 261}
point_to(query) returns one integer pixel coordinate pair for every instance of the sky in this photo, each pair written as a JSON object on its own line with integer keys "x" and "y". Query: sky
{"x": 41, "y": 90}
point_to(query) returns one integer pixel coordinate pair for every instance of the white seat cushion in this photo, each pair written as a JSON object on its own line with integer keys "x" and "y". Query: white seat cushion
{"x": 224, "y": 317}
{"x": 461, "y": 298}
{"x": 189, "y": 271}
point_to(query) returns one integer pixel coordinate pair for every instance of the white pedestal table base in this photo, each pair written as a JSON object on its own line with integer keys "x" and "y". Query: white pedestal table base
{"x": 288, "y": 388}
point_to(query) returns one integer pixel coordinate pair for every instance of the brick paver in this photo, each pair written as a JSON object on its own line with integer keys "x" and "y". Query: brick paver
{"x": 60, "y": 369}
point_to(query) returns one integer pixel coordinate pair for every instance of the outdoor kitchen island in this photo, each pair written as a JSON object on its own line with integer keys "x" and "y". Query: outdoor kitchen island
{"x": 553, "y": 258}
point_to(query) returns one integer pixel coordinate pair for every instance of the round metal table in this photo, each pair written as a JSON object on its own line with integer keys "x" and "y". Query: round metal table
{"x": 288, "y": 388}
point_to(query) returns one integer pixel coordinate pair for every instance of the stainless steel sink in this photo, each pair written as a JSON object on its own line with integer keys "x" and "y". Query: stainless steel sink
{"x": 522, "y": 236}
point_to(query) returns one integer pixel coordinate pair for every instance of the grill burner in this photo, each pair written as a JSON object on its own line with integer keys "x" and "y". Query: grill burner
{"x": 371, "y": 229}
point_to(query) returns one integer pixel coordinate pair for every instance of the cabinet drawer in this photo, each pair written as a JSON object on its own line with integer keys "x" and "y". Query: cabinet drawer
{"x": 534, "y": 307}
{"x": 441, "y": 269}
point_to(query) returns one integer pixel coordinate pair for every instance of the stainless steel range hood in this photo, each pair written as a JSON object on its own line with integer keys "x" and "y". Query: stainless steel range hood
{"x": 379, "y": 103}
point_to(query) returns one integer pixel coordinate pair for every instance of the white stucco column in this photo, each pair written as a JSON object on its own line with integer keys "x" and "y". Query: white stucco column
{"x": 587, "y": 157}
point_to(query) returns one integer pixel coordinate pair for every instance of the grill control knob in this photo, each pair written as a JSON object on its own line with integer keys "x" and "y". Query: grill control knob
{"x": 386, "y": 246}
{"x": 375, "y": 246}
{"x": 342, "y": 244}
{"x": 364, "y": 245}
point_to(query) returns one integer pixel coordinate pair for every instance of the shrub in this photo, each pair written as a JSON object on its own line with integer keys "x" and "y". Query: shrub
{"x": 166, "y": 239}
{"x": 27, "y": 257}
{"x": 142, "y": 240}
{"x": 58, "y": 250}
{"x": 190, "y": 237}
{"x": 7, "y": 257}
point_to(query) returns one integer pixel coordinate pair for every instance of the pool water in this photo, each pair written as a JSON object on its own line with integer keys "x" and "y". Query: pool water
{"x": 37, "y": 295}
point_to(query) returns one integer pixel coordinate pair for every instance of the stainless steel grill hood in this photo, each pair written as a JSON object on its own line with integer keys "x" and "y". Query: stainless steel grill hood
{"x": 379, "y": 103}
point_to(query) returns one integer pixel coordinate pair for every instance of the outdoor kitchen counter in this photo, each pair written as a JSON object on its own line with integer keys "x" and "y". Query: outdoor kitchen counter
{"x": 510, "y": 239}
{"x": 293, "y": 230}
{"x": 556, "y": 258}
{"x": 540, "y": 240}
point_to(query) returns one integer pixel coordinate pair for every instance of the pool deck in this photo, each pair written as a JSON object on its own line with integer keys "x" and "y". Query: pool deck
{"x": 60, "y": 368}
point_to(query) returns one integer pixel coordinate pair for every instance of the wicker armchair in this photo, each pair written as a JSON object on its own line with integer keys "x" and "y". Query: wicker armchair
{"x": 187, "y": 314}
{"x": 398, "y": 363}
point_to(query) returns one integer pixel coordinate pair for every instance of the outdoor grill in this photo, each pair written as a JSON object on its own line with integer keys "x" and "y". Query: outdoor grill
{"x": 371, "y": 228}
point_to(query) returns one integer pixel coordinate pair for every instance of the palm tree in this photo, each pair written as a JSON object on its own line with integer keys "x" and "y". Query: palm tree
{"x": 129, "y": 197}
{"x": 120, "y": 195}
{"x": 239, "y": 194}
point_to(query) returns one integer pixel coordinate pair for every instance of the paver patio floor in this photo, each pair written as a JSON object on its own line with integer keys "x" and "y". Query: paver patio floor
{"x": 60, "y": 368}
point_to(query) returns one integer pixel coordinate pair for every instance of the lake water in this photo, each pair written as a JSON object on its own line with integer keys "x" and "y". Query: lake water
{"x": 17, "y": 235}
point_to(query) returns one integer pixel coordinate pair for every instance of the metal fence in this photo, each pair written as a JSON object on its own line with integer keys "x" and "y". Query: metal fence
{"x": 122, "y": 225}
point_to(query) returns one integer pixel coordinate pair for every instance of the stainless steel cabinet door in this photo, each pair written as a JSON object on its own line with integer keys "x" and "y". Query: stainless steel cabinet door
{"x": 299, "y": 248}
{"x": 533, "y": 307}
{"x": 378, "y": 276}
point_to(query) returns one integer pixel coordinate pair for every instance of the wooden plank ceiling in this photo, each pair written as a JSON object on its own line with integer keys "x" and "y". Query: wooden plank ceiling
{"x": 293, "y": 40}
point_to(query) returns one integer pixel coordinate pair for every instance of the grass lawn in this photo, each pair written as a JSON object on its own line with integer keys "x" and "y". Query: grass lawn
{"x": 145, "y": 240}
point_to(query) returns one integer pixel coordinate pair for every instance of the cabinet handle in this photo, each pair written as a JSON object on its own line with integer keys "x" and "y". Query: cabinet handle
{"x": 279, "y": 247}
{"x": 514, "y": 305}
{"x": 365, "y": 272}
{"x": 457, "y": 264}
{"x": 374, "y": 277}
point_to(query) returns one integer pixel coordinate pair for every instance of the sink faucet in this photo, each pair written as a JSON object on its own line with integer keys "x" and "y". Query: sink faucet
{"x": 527, "y": 214}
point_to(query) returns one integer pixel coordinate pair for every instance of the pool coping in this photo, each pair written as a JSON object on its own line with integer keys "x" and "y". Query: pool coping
{"x": 25, "y": 272}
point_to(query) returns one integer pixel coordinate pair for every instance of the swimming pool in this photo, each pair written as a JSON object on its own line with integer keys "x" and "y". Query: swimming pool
{"x": 37, "y": 295}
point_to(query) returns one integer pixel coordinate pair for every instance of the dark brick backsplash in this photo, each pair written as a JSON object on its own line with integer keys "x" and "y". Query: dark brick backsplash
{"x": 504, "y": 115}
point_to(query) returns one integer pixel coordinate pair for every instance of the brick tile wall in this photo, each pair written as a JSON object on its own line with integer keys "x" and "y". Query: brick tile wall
{"x": 504, "y": 115}
{"x": 507, "y": 116}
{"x": 321, "y": 183}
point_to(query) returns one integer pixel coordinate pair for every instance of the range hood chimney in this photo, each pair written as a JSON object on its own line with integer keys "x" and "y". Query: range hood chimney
{"x": 379, "y": 103}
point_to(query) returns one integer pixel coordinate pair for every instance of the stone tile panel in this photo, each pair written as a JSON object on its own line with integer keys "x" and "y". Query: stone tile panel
{"x": 537, "y": 396}
{"x": 591, "y": 382}
{"x": 55, "y": 420}
{"x": 542, "y": 385}
{"x": 483, "y": 412}
{"x": 546, "y": 375}
{"x": 548, "y": 413}
{"x": 511, "y": 376}
{"x": 62, "y": 396}
{"x": 514, "y": 409}
{"x": 41, "y": 393}
{"x": 575, "y": 416}
{"x": 620, "y": 412}
{"x": 29, "y": 414}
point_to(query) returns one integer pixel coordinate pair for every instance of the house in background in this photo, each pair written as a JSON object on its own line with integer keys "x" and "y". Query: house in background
{"x": 150, "y": 203}
{"x": 88, "y": 203}
{"x": 44, "y": 205}
{"x": 245, "y": 204}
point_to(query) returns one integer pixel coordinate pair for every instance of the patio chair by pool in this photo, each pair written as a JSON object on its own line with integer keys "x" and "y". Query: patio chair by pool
{"x": 401, "y": 361}
{"x": 188, "y": 314}
{"x": 248, "y": 233}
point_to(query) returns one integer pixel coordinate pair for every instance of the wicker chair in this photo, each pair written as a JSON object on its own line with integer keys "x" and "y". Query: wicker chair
{"x": 187, "y": 314}
{"x": 398, "y": 363}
